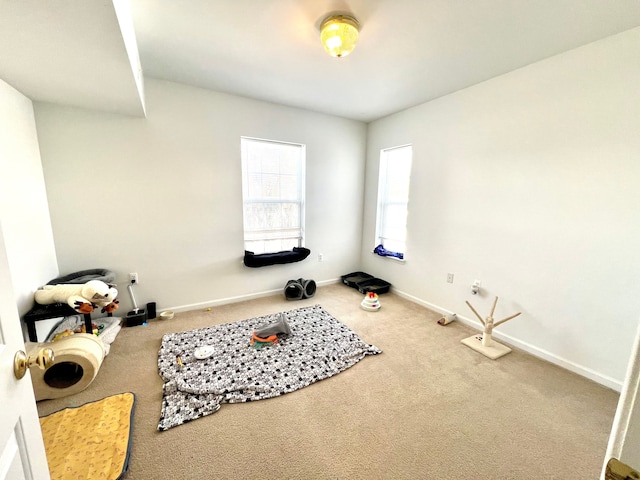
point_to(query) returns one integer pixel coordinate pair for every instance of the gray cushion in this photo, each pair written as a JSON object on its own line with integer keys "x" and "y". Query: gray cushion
{"x": 83, "y": 276}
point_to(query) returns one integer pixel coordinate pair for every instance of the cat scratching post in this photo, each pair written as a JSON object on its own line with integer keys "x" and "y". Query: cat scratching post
{"x": 484, "y": 343}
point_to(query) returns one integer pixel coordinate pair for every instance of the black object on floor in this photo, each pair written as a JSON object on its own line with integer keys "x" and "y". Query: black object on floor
{"x": 364, "y": 283}
{"x": 299, "y": 289}
{"x": 151, "y": 310}
{"x": 351, "y": 279}
{"x": 137, "y": 316}
{"x": 375, "y": 285}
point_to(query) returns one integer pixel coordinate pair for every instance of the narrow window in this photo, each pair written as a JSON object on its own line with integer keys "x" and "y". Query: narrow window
{"x": 273, "y": 195}
{"x": 393, "y": 200}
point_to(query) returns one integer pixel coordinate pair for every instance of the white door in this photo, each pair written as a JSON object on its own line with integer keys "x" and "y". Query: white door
{"x": 624, "y": 443}
{"x": 22, "y": 454}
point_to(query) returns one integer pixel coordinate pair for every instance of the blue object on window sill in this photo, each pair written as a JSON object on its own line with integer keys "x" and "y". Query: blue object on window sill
{"x": 262, "y": 260}
{"x": 383, "y": 252}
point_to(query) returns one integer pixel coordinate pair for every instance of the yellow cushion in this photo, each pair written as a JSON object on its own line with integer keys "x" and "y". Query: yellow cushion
{"x": 90, "y": 441}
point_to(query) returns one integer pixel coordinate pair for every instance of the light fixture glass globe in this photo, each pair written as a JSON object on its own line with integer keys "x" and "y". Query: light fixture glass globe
{"x": 339, "y": 35}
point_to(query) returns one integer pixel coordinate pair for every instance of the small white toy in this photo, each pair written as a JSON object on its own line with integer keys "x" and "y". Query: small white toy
{"x": 370, "y": 302}
{"x": 83, "y": 298}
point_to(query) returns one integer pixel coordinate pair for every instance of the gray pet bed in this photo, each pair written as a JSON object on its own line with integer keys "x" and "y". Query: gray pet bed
{"x": 83, "y": 276}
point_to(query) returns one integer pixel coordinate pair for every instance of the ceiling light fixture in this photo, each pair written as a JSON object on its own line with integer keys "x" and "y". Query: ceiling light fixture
{"x": 339, "y": 34}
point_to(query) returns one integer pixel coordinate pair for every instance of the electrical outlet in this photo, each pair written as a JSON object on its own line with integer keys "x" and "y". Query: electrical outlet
{"x": 320, "y": 257}
{"x": 449, "y": 277}
{"x": 133, "y": 277}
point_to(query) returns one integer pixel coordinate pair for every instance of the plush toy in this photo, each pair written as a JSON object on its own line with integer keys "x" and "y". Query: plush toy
{"x": 84, "y": 298}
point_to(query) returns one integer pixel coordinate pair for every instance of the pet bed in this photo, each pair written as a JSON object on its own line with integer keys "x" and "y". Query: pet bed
{"x": 366, "y": 283}
{"x": 264, "y": 259}
{"x": 352, "y": 279}
{"x": 374, "y": 285}
{"x": 90, "y": 441}
{"x": 83, "y": 276}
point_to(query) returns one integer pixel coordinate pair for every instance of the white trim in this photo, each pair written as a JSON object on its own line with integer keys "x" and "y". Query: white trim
{"x": 266, "y": 140}
{"x": 625, "y": 411}
{"x": 239, "y": 298}
{"x": 9, "y": 455}
{"x": 527, "y": 347}
{"x": 397, "y": 147}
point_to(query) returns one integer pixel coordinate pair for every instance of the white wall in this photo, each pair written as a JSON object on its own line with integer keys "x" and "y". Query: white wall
{"x": 24, "y": 211}
{"x": 162, "y": 196}
{"x": 529, "y": 182}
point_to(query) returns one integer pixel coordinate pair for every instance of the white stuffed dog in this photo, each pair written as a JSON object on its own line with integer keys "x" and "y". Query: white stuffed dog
{"x": 82, "y": 297}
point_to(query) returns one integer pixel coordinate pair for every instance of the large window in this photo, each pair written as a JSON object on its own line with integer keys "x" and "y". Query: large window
{"x": 273, "y": 195}
{"x": 393, "y": 200}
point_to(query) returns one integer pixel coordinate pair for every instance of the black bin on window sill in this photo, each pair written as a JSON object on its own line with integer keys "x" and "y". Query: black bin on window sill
{"x": 375, "y": 285}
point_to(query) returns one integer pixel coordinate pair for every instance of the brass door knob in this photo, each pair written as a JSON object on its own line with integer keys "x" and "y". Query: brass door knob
{"x": 21, "y": 362}
{"x": 616, "y": 470}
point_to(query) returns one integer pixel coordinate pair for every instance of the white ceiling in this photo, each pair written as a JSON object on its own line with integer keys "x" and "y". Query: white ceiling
{"x": 69, "y": 52}
{"x": 409, "y": 52}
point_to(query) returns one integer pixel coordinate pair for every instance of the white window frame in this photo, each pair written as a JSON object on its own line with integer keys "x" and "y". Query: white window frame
{"x": 384, "y": 202}
{"x": 296, "y": 233}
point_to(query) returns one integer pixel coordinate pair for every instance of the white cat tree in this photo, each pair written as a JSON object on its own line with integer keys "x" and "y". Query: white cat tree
{"x": 483, "y": 343}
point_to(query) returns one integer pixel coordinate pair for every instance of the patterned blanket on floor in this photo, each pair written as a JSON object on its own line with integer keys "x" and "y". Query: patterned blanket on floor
{"x": 319, "y": 347}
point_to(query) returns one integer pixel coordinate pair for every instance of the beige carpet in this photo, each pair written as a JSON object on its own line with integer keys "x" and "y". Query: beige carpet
{"x": 426, "y": 408}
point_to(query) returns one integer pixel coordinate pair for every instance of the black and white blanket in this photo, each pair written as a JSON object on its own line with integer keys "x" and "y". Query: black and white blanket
{"x": 319, "y": 347}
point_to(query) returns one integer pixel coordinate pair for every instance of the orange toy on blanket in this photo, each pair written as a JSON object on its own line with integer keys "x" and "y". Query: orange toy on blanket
{"x": 268, "y": 334}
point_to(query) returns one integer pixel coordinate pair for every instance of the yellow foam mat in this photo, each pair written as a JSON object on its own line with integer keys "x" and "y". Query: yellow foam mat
{"x": 90, "y": 441}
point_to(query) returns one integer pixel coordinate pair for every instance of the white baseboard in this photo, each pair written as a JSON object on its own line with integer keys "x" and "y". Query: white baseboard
{"x": 522, "y": 345}
{"x": 240, "y": 298}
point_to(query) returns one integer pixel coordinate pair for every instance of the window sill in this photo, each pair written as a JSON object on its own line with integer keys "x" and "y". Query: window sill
{"x": 395, "y": 259}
